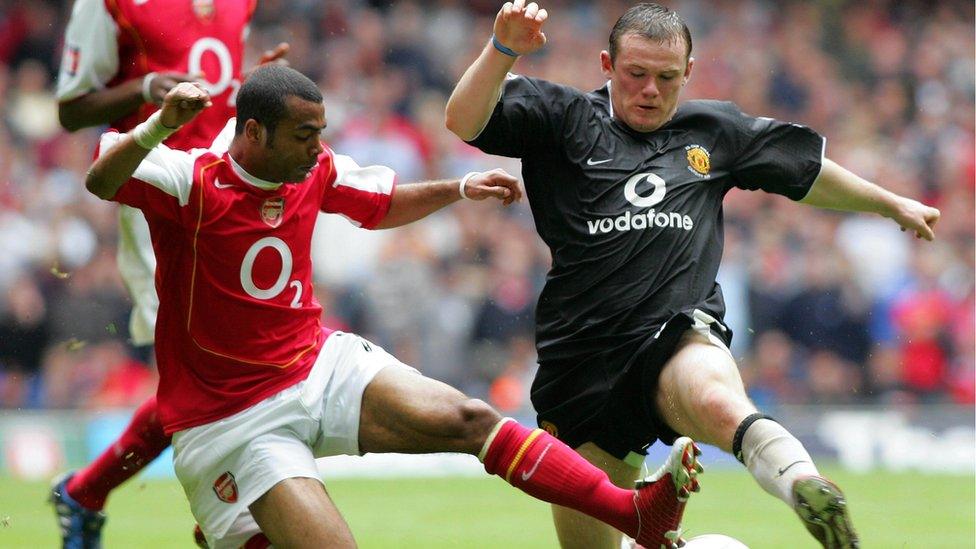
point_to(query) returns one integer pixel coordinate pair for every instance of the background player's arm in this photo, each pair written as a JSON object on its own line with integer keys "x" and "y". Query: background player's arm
{"x": 103, "y": 106}
{"x": 517, "y": 27}
{"x": 113, "y": 168}
{"x": 837, "y": 188}
{"x": 100, "y": 107}
{"x": 91, "y": 60}
{"x": 418, "y": 200}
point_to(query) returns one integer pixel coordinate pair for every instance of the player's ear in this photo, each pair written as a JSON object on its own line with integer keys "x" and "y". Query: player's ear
{"x": 606, "y": 65}
{"x": 691, "y": 63}
{"x": 254, "y": 131}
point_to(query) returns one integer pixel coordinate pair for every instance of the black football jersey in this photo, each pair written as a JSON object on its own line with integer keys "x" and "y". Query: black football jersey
{"x": 634, "y": 220}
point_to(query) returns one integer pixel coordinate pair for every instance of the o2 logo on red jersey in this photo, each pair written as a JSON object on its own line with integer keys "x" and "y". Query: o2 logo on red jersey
{"x": 247, "y": 272}
{"x": 225, "y": 78}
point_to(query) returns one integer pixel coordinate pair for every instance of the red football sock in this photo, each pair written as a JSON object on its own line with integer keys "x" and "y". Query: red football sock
{"x": 142, "y": 441}
{"x": 543, "y": 467}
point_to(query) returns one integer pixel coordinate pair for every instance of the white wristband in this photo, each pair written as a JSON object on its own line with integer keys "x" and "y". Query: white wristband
{"x": 152, "y": 132}
{"x": 147, "y": 88}
{"x": 464, "y": 181}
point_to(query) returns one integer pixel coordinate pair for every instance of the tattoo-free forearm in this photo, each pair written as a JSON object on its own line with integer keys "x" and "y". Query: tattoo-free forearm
{"x": 836, "y": 188}
{"x": 476, "y": 94}
{"x": 102, "y": 106}
{"x": 415, "y": 201}
{"x": 113, "y": 168}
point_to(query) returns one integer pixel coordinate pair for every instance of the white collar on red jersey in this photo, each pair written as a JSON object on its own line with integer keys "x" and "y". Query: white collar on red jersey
{"x": 248, "y": 178}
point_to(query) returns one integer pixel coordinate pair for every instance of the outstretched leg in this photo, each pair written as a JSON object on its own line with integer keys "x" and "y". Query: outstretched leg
{"x": 700, "y": 394}
{"x": 578, "y": 531}
{"x": 298, "y": 513}
{"x": 404, "y": 412}
{"x": 80, "y": 496}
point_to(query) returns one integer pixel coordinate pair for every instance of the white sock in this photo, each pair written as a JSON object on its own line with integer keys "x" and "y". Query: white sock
{"x": 775, "y": 458}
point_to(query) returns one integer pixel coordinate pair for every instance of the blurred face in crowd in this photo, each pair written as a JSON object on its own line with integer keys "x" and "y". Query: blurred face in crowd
{"x": 646, "y": 79}
{"x": 289, "y": 152}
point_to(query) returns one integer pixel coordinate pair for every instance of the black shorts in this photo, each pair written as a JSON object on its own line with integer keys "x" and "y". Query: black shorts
{"x": 611, "y": 402}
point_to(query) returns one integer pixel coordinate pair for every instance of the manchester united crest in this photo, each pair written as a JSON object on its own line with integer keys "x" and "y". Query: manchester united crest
{"x": 226, "y": 488}
{"x": 550, "y": 428}
{"x": 204, "y": 9}
{"x": 698, "y": 160}
{"x": 273, "y": 211}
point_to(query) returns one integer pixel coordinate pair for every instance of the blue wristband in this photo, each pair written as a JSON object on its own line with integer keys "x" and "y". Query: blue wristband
{"x": 500, "y": 47}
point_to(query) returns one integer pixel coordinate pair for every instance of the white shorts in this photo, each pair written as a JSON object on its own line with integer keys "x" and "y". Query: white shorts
{"x": 137, "y": 265}
{"x": 224, "y": 466}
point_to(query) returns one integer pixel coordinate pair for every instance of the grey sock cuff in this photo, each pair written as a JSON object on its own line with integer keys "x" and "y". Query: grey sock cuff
{"x": 740, "y": 432}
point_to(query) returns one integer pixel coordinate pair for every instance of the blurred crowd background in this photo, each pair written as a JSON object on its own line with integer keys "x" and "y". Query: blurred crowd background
{"x": 827, "y": 308}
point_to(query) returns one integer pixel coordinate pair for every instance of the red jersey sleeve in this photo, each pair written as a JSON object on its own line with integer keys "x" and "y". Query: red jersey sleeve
{"x": 161, "y": 184}
{"x": 360, "y": 194}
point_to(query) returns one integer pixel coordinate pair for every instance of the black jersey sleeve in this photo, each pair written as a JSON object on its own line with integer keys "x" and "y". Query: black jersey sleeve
{"x": 777, "y": 157}
{"x": 529, "y": 117}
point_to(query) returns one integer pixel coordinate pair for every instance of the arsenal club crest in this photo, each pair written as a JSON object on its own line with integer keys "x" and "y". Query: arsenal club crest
{"x": 226, "y": 488}
{"x": 273, "y": 211}
{"x": 72, "y": 54}
{"x": 204, "y": 9}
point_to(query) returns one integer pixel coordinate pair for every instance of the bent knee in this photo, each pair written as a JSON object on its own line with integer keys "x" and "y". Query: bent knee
{"x": 722, "y": 403}
{"x": 719, "y": 409}
{"x": 706, "y": 403}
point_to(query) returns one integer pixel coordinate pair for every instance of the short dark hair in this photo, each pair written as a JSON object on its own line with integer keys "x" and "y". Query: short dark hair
{"x": 262, "y": 96}
{"x": 652, "y": 21}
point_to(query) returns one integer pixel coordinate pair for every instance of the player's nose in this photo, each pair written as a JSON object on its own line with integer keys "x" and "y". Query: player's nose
{"x": 317, "y": 149}
{"x": 650, "y": 89}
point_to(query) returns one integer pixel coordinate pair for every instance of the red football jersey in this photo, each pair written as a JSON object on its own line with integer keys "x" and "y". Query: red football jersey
{"x": 238, "y": 320}
{"x": 108, "y": 42}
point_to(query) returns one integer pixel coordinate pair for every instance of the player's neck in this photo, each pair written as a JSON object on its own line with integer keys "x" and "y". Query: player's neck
{"x": 248, "y": 176}
{"x": 248, "y": 169}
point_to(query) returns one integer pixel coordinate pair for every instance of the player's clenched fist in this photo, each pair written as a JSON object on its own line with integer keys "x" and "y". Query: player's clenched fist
{"x": 496, "y": 183}
{"x": 159, "y": 84}
{"x": 182, "y": 103}
{"x": 519, "y": 27}
{"x": 914, "y": 216}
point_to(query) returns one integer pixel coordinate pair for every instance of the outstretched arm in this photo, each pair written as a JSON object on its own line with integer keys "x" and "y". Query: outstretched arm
{"x": 837, "y": 188}
{"x": 418, "y": 200}
{"x": 113, "y": 168}
{"x": 519, "y": 29}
